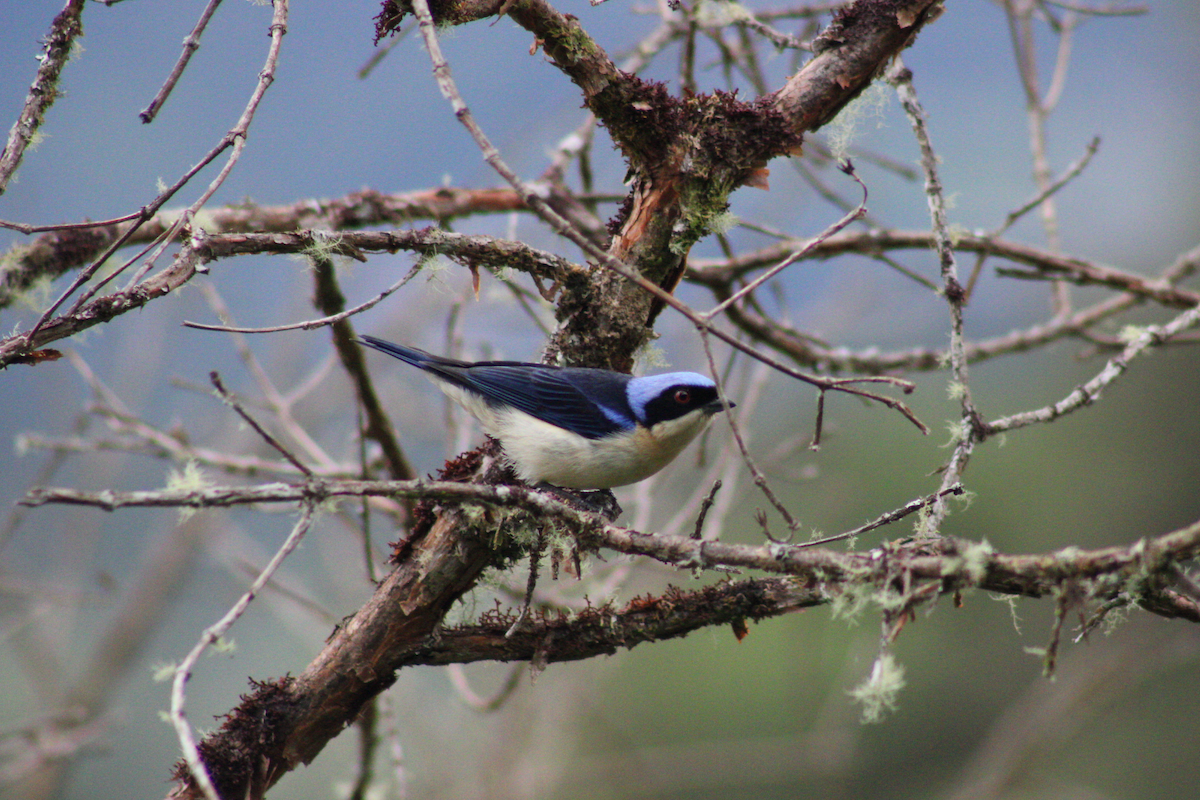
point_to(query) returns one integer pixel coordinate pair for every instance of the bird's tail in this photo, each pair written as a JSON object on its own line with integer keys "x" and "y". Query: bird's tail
{"x": 409, "y": 355}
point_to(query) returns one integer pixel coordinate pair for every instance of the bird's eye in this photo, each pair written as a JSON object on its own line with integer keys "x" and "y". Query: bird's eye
{"x": 682, "y": 396}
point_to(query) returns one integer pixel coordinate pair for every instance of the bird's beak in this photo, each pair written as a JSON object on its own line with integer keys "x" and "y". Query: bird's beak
{"x": 715, "y": 407}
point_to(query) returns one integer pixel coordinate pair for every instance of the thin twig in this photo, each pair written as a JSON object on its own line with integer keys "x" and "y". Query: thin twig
{"x": 213, "y": 634}
{"x": 1113, "y": 9}
{"x": 1020, "y": 17}
{"x": 229, "y": 400}
{"x": 274, "y": 400}
{"x": 888, "y": 518}
{"x": 760, "y": 480}
{"x": 798, "y": 254}
{"x": 68, "y": 226}
{"x": 191, "y": 44}
{"x": 727, "y": 467}
{"x": 781, "y": 40}
{"x": 901, "y": 78}
{"x": 458, "y": 679}
{"x": 1086, "y": 393}
{"x": 381, "y": 53}
{"x": 310, "y": 324}
{"x": 704, "y": 507}
{"x": 1069, "y": 174}
{"x": 819, "y": 423}
{"x": 235, "y": 138}
{"x": 804, "y": 349}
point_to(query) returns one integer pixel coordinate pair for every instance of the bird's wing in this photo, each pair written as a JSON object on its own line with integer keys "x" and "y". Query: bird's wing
{"x": 589, "y": 402}
{"x": 562, "y": 397}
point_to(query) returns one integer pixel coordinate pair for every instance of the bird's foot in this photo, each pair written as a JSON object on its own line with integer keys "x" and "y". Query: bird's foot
{"x": 598, "y": 501}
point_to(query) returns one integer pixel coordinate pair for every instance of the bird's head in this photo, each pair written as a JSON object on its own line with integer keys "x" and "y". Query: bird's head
{"x": 675, "y": 397}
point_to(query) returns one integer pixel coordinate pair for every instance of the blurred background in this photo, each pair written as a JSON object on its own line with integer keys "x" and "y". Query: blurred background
{"x": 703, "y": 717}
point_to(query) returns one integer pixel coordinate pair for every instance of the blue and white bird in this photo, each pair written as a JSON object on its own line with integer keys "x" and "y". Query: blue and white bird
{"x": 574, "y": 427}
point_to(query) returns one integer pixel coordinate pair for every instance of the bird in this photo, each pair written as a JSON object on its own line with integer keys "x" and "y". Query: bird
{"x": 574, "y": 427}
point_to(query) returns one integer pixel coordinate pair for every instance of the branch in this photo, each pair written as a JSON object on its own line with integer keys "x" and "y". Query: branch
{"x": 602, "y": 630}
{"x": 190, "y": 45}
{"x": 235, "y": 139}
{"x": 477, "y": 251}
{"x": 720, "y": 275}
{"x": 958, "y": 562}
{"x": 69, "y": 246}
{"x": 851, "y": 53}
{"x": 953, "y": 292}
{"x": 102, "y": 309}
{"x": 65, "y": 28}
{"x": 712, "y": 272}
{"x": 304, "y": 713}
{"x": 392, "y": 630}
{"x": 201, "y": 249}
{"x": 1088, "y": 393}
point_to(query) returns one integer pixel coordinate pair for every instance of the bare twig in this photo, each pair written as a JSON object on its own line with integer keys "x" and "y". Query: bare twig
{"x": 458, "y": 679}
{"x": 806, "y": 350}
{"x": 778, "y": 38}
{"x": 818, "y": 423}
{"x": 704, "y": 507}
{"x": 191, "y": 44}
{"x": 68, "y": 226}
{"x": 726, "y": 468}
{"x": 1038, "y": 107}
{"x": 1069, "y": 174}
{"x": 760, "y": 480}
{"x": 1118, "y": 8}
{"x": 711, "y": 272}
{"x": 798, "y": 254}
{"x": 311, "y": 324}
{"x": 229, "y": 400}
{"x": 278, "y": 404}
{"x": 235, "y": 138}
{"x": 212, "y": 635}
